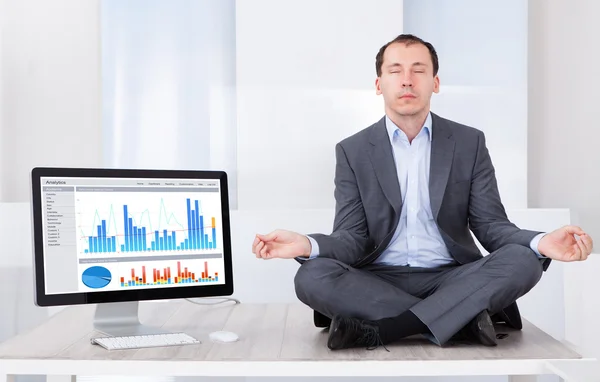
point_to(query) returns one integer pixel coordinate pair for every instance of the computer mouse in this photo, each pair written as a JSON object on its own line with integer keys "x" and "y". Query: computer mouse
{"x": 223, "y": 336}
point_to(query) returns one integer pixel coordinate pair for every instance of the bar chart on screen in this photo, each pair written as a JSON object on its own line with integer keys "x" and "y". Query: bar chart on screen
{"x": 117, "y": 224}
{"x": 178, "y": 274}
{"x": 147, "y": 273}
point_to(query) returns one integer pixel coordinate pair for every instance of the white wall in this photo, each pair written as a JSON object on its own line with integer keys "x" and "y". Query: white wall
{"x": 50, "y": 79}
{"x": 483, "y": 76}
{"x": 2, "y": 17}
{"x": 564, "y": 115}
{"x": 305, "y": 80}
{"x": 301, "y": 89}
{"x": 563, "y": 140}
{"x": 19, "y": 312}
{"x": 50, "y": 104}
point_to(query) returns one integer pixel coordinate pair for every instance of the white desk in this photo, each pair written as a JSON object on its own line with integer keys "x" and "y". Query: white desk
{"x": 275, "y": 340}
{"x": 576, "y": 371}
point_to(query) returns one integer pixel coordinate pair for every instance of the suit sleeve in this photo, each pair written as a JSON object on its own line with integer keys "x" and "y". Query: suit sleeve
{"x": 349, "y": 238}
{"x": 487, "y": 217}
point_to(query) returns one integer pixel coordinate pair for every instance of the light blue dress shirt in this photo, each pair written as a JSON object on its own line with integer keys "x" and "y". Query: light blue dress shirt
{"x": 417, "y": 241}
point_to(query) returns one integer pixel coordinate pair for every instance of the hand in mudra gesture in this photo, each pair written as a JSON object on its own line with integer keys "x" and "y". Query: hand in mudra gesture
{"x": 281, "y": 244}
{"x": 568, "y": 243}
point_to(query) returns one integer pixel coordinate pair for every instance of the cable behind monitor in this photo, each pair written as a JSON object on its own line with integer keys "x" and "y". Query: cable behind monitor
{"x": 223, "y": 300}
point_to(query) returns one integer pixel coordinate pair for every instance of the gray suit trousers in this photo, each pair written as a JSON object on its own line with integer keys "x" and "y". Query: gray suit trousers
{"x": 445, "y": 298}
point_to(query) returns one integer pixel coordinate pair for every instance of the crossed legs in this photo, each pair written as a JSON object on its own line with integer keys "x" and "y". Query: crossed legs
{"x": 445, "y": 300}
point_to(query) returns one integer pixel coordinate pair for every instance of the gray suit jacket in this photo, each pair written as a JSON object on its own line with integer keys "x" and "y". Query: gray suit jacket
{"x": 463, "y": 192}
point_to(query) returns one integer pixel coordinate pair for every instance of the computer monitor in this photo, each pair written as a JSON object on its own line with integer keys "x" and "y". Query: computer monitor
{"x": 114, "y": 237}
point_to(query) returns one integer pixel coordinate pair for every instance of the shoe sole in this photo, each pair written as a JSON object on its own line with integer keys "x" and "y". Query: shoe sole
{"x": 484, "y": 327}
{"x": 333, "y": 328}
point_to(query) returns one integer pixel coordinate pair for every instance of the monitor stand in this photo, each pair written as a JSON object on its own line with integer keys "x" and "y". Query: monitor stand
{"x": 121, "y": 319}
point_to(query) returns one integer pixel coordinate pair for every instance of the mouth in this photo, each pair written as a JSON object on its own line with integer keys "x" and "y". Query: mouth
{"x": 408, "y": 96}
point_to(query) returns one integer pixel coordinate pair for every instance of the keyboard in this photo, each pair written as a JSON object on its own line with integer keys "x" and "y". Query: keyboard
{"x": 144, "y": 341}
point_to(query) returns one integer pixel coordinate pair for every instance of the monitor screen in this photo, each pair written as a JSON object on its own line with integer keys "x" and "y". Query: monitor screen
{"x": 118, "y": 235}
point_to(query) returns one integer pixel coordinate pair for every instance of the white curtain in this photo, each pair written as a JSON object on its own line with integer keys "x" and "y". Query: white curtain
{"x": 168, "y": 83}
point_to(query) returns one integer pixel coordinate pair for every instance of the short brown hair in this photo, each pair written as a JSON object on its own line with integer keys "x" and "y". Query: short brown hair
{"x": 407, "y": 39}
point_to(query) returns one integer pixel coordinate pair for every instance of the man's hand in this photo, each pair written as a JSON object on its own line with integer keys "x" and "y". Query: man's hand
{"x": 281, "y": 244}
{"x": 568, "y": 243}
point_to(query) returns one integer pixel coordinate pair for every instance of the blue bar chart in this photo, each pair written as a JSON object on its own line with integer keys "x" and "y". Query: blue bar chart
{"x": 199, "y": 234}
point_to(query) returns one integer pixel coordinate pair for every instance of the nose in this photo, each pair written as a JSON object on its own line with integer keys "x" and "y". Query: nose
{"x": 406, "y": 79}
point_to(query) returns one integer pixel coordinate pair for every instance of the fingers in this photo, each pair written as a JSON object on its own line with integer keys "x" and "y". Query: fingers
{"x": 263, "y": 251}
{"x": 585, "y": 244}
{"x": 268, "y": 237}
{"x": 259, "y": 248}
{"x": 255, "y": 245}
{"x": 583, "y": 253}
{"x": 589, "y": 243}
{"x": 267, "y": 252}
{"x": 573, "y": 229}
{"x": 260, "y": 244}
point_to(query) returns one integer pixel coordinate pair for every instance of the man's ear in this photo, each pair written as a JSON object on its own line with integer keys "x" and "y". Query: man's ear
{"x": 377, "y": 86}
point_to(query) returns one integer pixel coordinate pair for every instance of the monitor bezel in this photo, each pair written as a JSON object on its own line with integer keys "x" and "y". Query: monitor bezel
{"x": 146, "y": 294}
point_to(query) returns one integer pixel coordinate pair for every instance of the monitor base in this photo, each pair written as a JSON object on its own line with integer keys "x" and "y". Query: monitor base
{"x": 121, "y": 319}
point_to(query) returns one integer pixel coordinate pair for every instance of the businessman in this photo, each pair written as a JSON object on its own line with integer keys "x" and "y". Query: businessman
{"x": 409, "y": 191}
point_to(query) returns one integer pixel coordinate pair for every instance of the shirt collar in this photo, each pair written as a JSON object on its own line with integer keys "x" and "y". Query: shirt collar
{"x": 392, "y": 128}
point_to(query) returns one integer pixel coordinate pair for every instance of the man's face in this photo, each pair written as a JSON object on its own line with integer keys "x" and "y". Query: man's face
{"x": 407, "y": 79}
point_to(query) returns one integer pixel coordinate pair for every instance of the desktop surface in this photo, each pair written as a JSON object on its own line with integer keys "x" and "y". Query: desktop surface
{"x": 275, "y": 340}
{"x": 267, "y": 332}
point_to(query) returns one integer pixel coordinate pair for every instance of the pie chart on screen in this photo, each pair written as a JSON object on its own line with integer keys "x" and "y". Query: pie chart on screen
{"x": 96, "y": 277}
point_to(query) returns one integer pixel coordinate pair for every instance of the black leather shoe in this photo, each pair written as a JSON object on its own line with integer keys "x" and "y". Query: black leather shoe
{"x": 347, "y": 333}
{"x": 510, "y": 316}
{"x": 321, "y": 320}
{"x": 482, "y": 329}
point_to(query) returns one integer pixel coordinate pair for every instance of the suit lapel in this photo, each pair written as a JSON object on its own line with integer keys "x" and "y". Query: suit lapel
{"x": 442, "y": 154}
{"x": 384, "y": 166}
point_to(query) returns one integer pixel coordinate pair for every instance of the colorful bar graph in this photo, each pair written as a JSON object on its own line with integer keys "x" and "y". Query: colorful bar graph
{"x": 126, "y": 224}
{"x": 164, "y": 276}
{"x": 136, "y": 238}
{"x": 130, "y": 224}
{"x": 199, "y": 223}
